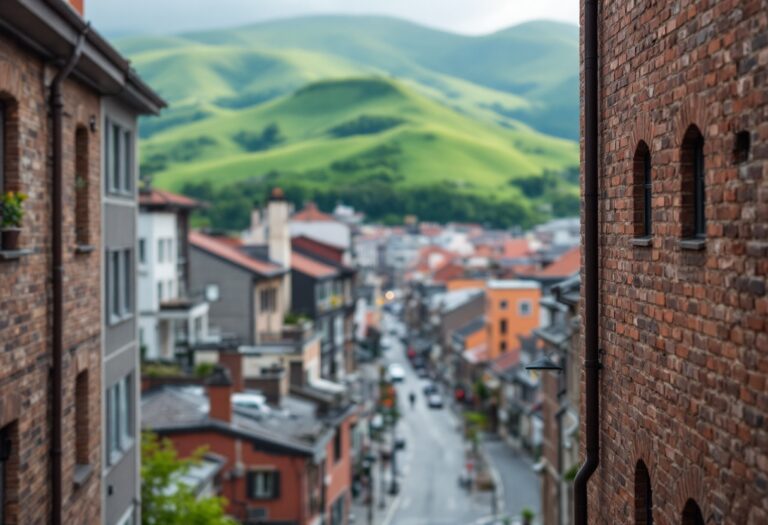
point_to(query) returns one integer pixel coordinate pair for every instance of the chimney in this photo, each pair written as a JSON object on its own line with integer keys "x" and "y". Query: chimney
{"x": 279, "y": 232}
{"x": 219, "y": 386}
{"x": 78, "y": 5}
{"x": 233, "y": 362}
{"x": 272, "y": 382}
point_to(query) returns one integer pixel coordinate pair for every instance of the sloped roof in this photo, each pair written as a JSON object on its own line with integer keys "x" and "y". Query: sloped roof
{"x": 306, "y": 265}
{"x": 505, "y": 362}
{"x": 165, "y": 199}
{"x": 566, "y": 265}
{"x": 229, "y": 252}
{"x": 478, "y": 354}
{"x": 311, "y": 213}
{"x": 470, "y": 328}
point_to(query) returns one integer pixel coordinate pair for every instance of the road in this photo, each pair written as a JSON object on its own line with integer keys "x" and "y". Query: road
{"x": 431, "y": 463}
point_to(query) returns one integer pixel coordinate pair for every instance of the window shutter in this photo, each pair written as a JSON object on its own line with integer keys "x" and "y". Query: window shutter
{"x": 276, "y": 484}
{"x": 250, "y": 482}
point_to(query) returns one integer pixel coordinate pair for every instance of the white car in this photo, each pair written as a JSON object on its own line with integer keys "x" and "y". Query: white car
{"x": 255, "y": 402}
{"x": 396, "y": 373}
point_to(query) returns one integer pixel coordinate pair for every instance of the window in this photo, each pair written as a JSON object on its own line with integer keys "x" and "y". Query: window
{"x": 503, "y": 305}
{"x": 503, "y": 346}
{"x": 160, "y": 295}
{"x": 338, "y": 451}
{"x": 81, "y": 419}
{"x": 118, "y": 159}
{"x": 503, "y": 326}
{"x": 692, "y": 514}
{"x": 9, "y": 144}
{"x": 693, "y": 185}
{"x": 268, "y": 300}
{"x": 337, "y": 511}
{"x": 81, "y": 186}
{"x": 119, "y": 419}
{"x": 160, "y": 250}
{"x": 643, "y": 495}
{"x": 524, "y": 308}
{"x": 119, "y": 284}
{"x": 338, "y": 331}
{"x": 642, "y": 186}
{"x": 212, "y": 293}
{"x": 129, "y": 518}
{"x": 741, "y": 147}
{"x": 263, "y": 484}
{"x": 142, "y": 251}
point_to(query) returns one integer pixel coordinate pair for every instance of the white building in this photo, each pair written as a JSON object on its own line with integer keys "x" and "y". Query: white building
{"x": 170, "y": 317}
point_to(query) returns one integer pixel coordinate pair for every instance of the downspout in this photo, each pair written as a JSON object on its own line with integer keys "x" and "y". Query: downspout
{"x": 591, "y": 285}
{"x": 57, "y": 108}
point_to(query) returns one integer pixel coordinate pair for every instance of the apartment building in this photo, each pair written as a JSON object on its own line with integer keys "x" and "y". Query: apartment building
{"x": 68, "y": 449}
{"x": 172, "y": 317}
{"x": 682, "y": 193}
{"x": 512, "y": 312}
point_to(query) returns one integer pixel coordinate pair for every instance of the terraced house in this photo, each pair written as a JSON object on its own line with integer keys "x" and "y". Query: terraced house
{"x": 68, "y": 357}
{"x": 682, "y": 134}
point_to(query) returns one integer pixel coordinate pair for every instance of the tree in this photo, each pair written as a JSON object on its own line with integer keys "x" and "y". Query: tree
{"x": 166, "y": 501}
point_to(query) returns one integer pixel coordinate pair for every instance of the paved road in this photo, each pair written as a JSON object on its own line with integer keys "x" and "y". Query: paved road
{"x": 430, "y": 465}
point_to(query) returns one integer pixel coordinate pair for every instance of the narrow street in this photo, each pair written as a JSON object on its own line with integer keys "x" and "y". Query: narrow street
{"x": 432, "y": 461}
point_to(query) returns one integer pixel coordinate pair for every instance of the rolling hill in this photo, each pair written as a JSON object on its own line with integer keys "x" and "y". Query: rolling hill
{"x": 325, "y": 105}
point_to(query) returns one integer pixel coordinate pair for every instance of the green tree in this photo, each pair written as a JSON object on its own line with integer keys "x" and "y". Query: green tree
{"x": 166, "y": 501}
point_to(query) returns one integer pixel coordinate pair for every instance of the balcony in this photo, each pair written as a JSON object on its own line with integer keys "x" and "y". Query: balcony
{"x": 182, "y": 308}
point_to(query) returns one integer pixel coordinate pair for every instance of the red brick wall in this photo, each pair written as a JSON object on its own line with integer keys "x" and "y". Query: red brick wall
{"x": 292, "y": 504}
{"x": 340, "y": 472}
{"x": 26, "y": 294}
{"x": 684, "y": 332}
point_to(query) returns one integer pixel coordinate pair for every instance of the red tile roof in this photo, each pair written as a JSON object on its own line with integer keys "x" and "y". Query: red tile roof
{"x": 162, "y": 198}
{"x": 226, "y": 250}
{"x": 567, "y": 265}
{"x": 302, "y": 263}
{"x": 515, "y": 248}
{"x": 506, "y": 360}
{"x": 311, "y": 213}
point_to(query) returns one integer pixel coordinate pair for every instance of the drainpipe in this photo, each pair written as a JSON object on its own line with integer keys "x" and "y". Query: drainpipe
{"x": 57, "y": 109}
{"x": 591, "y": 285}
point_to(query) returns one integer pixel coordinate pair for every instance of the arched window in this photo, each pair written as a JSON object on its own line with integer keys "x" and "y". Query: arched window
{"x": 693, "y": 184}
{"x": 82, "y": 177}
{"x": 9, "y": 147}
{"x": 641, "y": 182}
{"x": 692, "y": 514}
{"x": 643, "y": 495}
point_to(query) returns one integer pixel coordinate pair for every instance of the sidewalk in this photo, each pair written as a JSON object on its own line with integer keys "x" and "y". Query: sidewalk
{"x": 375, "y": 514}
{"x": 520, "y": 485}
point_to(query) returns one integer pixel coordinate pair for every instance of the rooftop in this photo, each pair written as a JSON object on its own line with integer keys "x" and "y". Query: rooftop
{"x": 311, "y": 213}
{"x": 308, "y": 266}
{"x": 229, "y": 251}
{"x": 513, "y": 284}
{"x": 155, "y": 198}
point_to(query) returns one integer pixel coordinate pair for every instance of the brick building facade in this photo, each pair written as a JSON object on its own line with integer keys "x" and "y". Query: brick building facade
{"x": 36, "y": 37}
{"x": 683, "y": 139}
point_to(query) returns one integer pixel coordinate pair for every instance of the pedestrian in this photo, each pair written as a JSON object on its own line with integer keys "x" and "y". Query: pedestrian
{"x": 412, "y": 398}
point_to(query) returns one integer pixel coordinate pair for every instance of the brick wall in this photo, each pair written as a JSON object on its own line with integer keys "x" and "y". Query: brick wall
{"x": 25, "y": 357}
{"x": 683, "y": 386}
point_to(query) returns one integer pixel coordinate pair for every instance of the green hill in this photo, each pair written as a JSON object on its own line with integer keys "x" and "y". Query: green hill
{"x": 386, "y": 115}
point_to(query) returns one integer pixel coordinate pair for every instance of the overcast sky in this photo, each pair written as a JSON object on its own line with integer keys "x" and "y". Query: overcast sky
{"x": 464, "y": 16}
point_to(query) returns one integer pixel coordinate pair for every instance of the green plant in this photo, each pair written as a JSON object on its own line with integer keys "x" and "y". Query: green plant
{"x": 165, "y": 499}
{"x": 527, "y": 515}
{"x": 160, "y": 370}
{"x": 204, "y": 369}
{"x": 12, "y": 209}
{"x": 292, "y": 318}
{"x": 570, "y": 474}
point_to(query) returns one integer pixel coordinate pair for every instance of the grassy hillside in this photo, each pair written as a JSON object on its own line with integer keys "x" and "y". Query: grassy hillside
{"x": 384, "y": 114}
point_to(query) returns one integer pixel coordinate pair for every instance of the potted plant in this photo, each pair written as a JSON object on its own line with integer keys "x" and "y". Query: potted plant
{"x": 12, "y": 212}
{"x": 527, "y": 515}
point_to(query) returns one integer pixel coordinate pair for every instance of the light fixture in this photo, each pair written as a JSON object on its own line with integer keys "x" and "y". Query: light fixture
{"x": 544, "y": 363}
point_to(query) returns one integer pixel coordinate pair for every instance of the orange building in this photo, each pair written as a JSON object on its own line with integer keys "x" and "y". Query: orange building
{"x": 463, "y": 284}
{"x": 512, "y": 311}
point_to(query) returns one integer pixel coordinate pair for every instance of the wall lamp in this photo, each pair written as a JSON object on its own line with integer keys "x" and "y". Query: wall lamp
{"x": 544, "y": 364}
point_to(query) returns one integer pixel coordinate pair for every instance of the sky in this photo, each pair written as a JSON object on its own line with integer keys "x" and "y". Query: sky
{"x": 115, "y": 17}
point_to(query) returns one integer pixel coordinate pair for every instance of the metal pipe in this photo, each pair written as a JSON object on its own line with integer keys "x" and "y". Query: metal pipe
{"x": 57, "y": 110}
{"x": 591, "y": 284}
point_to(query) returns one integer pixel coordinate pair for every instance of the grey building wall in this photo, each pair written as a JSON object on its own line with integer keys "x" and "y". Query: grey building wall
{"x": 120, "y": 339}
{"x": 234, "y": 311}
{"x": 458, "y": 317}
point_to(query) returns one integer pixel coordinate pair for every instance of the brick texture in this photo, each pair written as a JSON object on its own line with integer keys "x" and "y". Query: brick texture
{"x": 684, "y": 332}
{"x": 25, "y": 297}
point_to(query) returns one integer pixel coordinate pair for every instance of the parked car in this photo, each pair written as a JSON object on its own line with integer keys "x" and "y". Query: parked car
{"x": 435, "y": 400}
{"x": 395, "y": 373}
{"x": 422, "y": 372}
{"x": 250, "y": 401}
{"x": 428, "y": 387}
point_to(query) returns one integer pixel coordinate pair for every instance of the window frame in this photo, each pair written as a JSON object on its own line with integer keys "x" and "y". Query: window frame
{"x": 273, "y": 485}
{"x": 209, "y": 292}
{"x": 119, "y": 158}
{"x": 142, "y": 250}
{"x": 119, "y": 287}
{"x": 119, "y": 425}
{"x": 338, "y": 449}
{"x": 647, "y": 194}
{"x": 527, "y": 304}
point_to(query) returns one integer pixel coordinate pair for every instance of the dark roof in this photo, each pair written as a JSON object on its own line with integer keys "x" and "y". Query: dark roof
{"x": 312, "y": 267}
{"x": 51, "y": 28}
{"x": 292, "y": 428}
{"x": 228, "y": 250}
{"x": 470, "y": 328}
